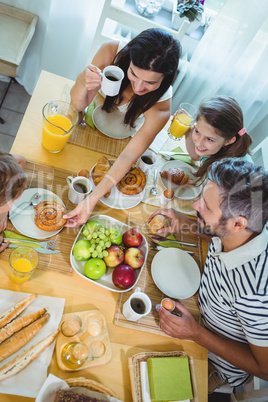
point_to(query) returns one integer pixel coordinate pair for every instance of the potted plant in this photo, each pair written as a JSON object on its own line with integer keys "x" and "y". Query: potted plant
{"x": 191, "y": 10}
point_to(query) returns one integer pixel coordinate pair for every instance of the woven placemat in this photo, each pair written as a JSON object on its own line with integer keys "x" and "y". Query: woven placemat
{"x": 135, "y": 374}
{"x": 53, "y": 179}
{"x": 150, "y": 322}
{"x": 93, "y": 139}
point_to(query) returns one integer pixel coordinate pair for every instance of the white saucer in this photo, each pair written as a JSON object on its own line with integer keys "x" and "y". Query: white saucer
{"x": 112, "y": 124}
{"x": 24, "y": 222}
{"x": 180, "y": 278}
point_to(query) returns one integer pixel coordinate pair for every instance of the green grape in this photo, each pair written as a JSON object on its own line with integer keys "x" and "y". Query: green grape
{"x": 92, "y": 248}
{"x": 95, "y": 254}
{"x": 98, "y": 248}
{"x": 105, "y": 253}
{"x": 102, "y": 236}
{"x": 112, "y": 230}
{"x": 89, "y": 236}
{"x": 93, "y": 241}
{"x": 100, "y": 254}
{"x": 94, "y": 235}
{"x": 107, "y": 232}
{"x": 108, "y": 244}
{"x": 97, "y": 240}
{"x": 101, "y": 243}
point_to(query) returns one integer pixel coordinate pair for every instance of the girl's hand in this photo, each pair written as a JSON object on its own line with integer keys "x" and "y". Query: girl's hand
{"x": 90, "y": 78}
{"x": 4, "y": 245}
{"x": 80, "y": 214}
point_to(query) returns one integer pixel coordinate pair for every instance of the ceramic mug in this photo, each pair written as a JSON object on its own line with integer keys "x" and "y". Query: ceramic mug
{"x": 79, "y": 188}
{"x": 137, "y": 306}
{"x": 147, "y": 161}
{"x": 112, "y": 77}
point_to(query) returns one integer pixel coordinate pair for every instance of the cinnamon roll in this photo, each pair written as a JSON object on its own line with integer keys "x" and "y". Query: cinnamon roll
{"x": 49, "y": 215}
{"x": 133, "y": 182}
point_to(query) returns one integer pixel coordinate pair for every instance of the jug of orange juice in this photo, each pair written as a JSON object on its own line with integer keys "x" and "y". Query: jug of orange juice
{"x": 184, "y": 118}
{"x": 59, "y": 119}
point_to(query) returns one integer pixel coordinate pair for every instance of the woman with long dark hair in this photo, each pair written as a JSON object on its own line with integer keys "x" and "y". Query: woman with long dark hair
{"x": 150, "y": 63}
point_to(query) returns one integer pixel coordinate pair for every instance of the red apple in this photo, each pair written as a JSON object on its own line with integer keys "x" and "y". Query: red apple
{"x": 134, "y": 257}
{"x": 123, "y": 276}
{"x": 132, "y": 238}
{"x": 115, "y": 256}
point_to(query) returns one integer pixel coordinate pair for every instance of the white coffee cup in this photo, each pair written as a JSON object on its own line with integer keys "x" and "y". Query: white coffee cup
{"x": 137, "y": 306}
{"x": 79, "y": 188}
{"x": 147, "y": 161}
{"x": 112, "y": 77}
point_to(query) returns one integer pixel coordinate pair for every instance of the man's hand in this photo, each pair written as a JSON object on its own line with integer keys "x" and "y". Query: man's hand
{"x": 178, "y": 222}
{"x": 184, "y": 327}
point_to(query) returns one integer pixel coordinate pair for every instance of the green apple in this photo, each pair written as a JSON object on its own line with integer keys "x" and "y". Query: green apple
{"x": 116, "y": 237}
{"x": 94, "y": 268}
{"x": 81, "y": 250}
{"x": 90, "y": 227}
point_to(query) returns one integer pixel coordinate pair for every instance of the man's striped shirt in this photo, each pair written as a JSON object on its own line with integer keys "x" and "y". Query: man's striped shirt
{"x": 233, "y": 298}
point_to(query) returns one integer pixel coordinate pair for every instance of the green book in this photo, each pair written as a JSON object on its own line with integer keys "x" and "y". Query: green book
{"x": 169, "y": 379}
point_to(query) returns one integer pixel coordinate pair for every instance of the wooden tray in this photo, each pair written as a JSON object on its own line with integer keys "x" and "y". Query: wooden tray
{"x": 84, "y": 336}
{"x": 135, "y": 376}
{"x": 16, "y": 30}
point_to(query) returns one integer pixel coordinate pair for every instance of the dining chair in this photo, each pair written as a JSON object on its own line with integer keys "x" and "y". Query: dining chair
{"x": 115, "y": 19}
{"x": 16, "y": 31}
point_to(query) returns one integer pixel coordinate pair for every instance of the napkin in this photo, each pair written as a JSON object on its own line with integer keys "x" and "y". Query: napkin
{"x": 159, "y": 141}
{"x": 29, "y": 381}
{"x": 145, "y": 384}
{"x": 182, "y": 158}
{"x": 169, "y": 378}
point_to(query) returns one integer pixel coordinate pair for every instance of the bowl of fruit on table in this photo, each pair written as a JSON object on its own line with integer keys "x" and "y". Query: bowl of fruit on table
{"x": 109, "y": 253}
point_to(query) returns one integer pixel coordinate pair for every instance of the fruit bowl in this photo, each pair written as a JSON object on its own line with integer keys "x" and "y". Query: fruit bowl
{"x": 106, "y": 280}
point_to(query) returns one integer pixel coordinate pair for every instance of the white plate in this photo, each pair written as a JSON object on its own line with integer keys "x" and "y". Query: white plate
{"x": 118, "y": 200}
{"x": 180, "y": 278}
{"x": 183, "y": 192}
{"x": 24, "y": 222}
{"x": 112, "y": 124}
{"x": 106, "y": 280}
{"x": 29, "y": 380}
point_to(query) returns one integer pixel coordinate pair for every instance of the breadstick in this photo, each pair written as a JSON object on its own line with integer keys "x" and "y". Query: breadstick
{"x": 23, "y": 360}
{"x": 15, "y": 310}
{"x": 19, "y": 323}
{"x": 18, "y": 340}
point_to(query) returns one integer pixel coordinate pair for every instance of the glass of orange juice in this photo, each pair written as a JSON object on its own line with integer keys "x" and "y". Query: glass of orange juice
{"x": 23, "y": 261}
{"x": 183, "y": 120}
{"x": 59, "y": 119}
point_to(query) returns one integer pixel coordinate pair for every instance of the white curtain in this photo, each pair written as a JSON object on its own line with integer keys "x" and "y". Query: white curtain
{"x": 232, "y": 59}
{"x": 62, "y": 38}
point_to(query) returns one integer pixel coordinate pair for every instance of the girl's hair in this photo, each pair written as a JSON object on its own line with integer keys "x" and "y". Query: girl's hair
{"x": 225, "y": 115}
{"x": 12, "y": 179}
{"x": 154, "y": 50}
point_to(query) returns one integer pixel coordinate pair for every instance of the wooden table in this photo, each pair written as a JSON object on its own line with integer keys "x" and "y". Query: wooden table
{"x": 79, "y": 294}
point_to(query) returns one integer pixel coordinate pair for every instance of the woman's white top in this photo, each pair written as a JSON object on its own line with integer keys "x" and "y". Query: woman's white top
{"x": 123, "y": 108}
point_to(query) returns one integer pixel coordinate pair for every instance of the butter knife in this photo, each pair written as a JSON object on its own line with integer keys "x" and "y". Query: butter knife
{"x": 157, "y": 239}
{"x": 39, "y": 250}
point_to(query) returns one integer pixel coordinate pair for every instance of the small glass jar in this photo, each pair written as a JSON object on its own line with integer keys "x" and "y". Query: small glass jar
{"x": 149, "y": 8}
